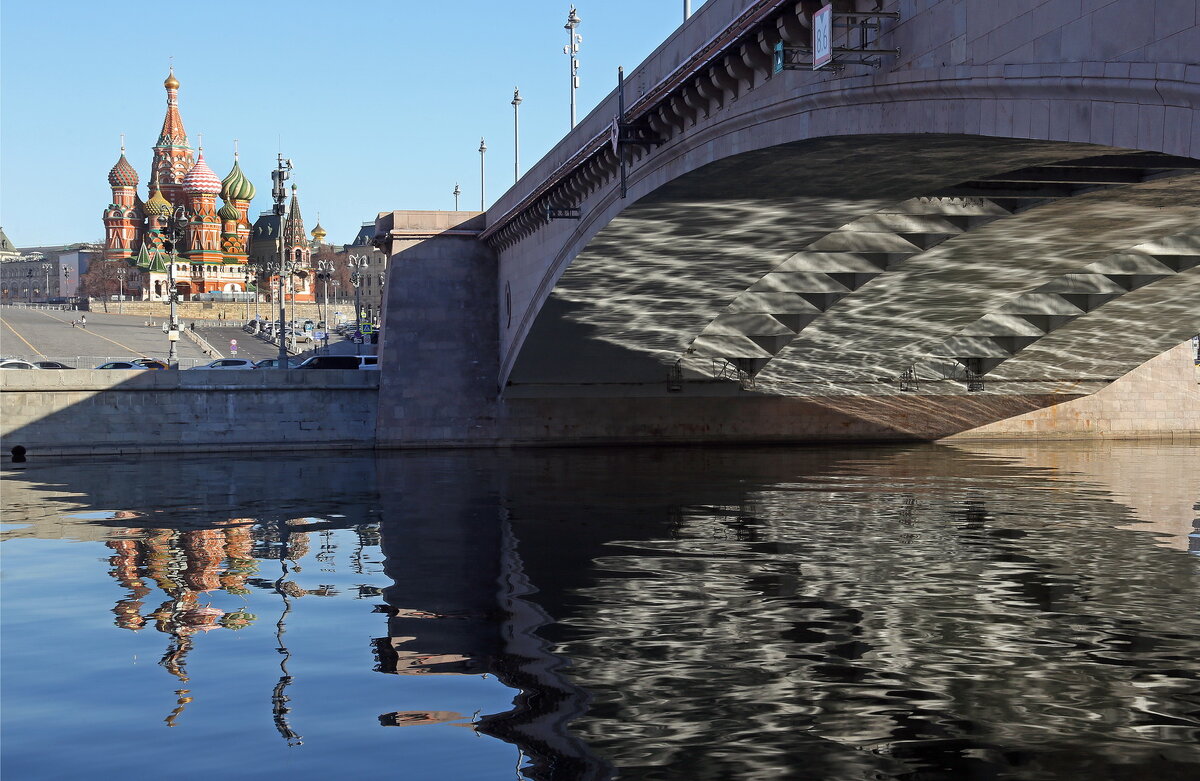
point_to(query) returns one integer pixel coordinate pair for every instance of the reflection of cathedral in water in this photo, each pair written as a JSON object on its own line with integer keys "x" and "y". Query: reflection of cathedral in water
{"x": 191, "y": 567}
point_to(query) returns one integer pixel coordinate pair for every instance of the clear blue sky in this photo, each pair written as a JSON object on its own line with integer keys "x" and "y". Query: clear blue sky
{"x": 380, "y": 104}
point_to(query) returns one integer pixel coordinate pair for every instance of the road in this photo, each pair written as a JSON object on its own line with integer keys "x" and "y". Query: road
{"x": 47, "y": 334}
{"x": 37, "y": 334}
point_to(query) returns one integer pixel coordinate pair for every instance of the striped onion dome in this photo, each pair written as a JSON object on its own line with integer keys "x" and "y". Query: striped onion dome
{"x": 201, "y": 180}
{"x": 157, "y": 206}
{"x": 229, "y": 212}
{"x": 122, "y": 174}
{"x": 236, "y": 187}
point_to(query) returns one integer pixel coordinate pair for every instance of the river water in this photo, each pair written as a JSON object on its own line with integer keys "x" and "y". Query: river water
{"x": 928, "y": 612}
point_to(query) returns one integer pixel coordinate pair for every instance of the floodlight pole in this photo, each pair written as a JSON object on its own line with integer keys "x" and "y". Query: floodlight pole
{"x": 482, "y": 175}
{"x": 516, "y": 103}
{"x": 572, "y": 49}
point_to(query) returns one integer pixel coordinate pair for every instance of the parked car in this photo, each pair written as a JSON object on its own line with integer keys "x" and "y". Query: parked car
{"x": 14, "y": 363}
{"x": 51, "y": 365}
{"x": 119, "y": 365}
{"x": 368, "y": 362}
{"x": 149, "y": 363}
{"x": 273, "y": 363}
{"x": 301, "y": 336}
{"x": 227, "y": 363}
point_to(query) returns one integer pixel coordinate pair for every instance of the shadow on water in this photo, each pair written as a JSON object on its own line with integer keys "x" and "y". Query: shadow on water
{"x": 925, "y": 612}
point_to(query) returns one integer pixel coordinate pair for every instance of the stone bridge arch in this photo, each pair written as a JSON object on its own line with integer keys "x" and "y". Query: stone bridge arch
{"x": 775, "y": 161}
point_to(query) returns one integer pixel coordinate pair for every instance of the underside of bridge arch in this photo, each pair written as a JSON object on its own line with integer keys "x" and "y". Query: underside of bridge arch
{"x": 881, "y": 264}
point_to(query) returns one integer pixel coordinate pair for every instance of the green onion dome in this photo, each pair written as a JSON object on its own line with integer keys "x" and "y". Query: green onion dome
{"x": 235, "y": 186}
{"x": 229, "y": 212}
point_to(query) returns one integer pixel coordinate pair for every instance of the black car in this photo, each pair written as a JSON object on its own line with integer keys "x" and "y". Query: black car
{"x": 51, "y": 365}
{"x": 341, "y": 362}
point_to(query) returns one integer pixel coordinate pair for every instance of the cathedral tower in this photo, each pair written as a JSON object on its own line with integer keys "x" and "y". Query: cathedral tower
{"x": 202, "y": 243}
{"x": 172, "y": 155}
{"x": 237, "y": 191}
{"x": 123, "y": 217}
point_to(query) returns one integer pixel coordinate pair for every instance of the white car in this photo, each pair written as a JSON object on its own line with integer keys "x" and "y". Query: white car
{"x": 15, "y": 363}
{"x": 227, "y": 363}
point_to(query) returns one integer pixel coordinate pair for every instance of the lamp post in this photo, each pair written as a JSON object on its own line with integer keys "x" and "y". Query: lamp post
{"x": 482, "y": 171}
{"x": 516, "y": 103}
{"x": 281, "y": 174}
{"x": 358, "y": 265}
{"x": 174, "y": 232}
{"x": 457, "y": 192}
{"x": 324, "y": 272}
{"x": 572, "y": 49}
{"x": 245, "y": 292}
{"x": 46, "y": 268}
{"x": 121, "y": 288}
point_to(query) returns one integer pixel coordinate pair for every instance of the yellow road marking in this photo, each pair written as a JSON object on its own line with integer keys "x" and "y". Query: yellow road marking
{"x": 22, "y": 338}
{"x": 125, "y": 347}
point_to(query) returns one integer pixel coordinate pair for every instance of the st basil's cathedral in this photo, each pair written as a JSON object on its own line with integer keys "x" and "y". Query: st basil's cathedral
{"x": 216, "y": 253}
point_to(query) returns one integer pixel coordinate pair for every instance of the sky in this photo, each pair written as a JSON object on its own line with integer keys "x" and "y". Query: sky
{"x": 380, "y": 104}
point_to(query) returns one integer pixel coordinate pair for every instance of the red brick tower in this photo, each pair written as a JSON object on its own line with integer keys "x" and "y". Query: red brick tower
{"x": 202, "y": 242}
{"x": 123, "y": 217}
{"x": 172, "y": 155}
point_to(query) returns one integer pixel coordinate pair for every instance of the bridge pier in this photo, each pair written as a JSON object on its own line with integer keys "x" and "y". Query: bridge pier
{"x": 439, "y": 348}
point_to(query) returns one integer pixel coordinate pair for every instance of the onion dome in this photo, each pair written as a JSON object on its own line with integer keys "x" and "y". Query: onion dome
{"x": 171, "y": 82}
{"x": 122, "y": 174}
{"x": 157, "y": 206}
{"x": 201, "y": 180}
{"x": 236, "y": 187}
{"x": 229, "y": 212}
{"x": 318, "y": 233}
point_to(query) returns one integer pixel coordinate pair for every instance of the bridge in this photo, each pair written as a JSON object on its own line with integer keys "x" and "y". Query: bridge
{"x": 976, "y": 210}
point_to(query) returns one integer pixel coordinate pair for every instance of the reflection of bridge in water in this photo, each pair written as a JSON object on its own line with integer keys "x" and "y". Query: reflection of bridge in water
{"x": 685, "y": 600}
{"x": 1006, "y": 210}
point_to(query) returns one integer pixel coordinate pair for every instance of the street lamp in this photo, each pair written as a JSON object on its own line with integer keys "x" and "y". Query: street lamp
{"x": 358, "y": 266}
{"x": 281, "y": 174}
{"x": 47, "y": 268}
{"x": 572, "y": 49}
{"x": 482, "y": 178}
{"x": 457, "y": 192}
{"x": 516, "y": 102}
{"x": 245, "y": 292}
{"x": 121, "y": 282}
{"x": 324, "y": 272}
{"x": 174, "y": 231}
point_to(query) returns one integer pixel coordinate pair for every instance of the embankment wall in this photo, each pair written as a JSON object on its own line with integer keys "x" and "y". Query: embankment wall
{"x": 90, "y": 412}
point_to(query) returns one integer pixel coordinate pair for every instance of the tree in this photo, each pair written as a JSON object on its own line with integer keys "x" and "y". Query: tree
{"x": 102, "y": 281}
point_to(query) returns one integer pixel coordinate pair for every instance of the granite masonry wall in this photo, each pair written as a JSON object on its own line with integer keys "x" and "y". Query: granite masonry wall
{"x": 90, "y": 412}
{"x": 1159, "y": 399}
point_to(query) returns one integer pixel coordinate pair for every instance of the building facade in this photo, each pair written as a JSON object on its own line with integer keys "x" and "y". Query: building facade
{"x": 370, "y": 266}
{"x": 36, "y": 275}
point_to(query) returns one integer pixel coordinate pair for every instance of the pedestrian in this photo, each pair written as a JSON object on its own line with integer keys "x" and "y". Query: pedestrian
{"x": 83, "y": 321}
